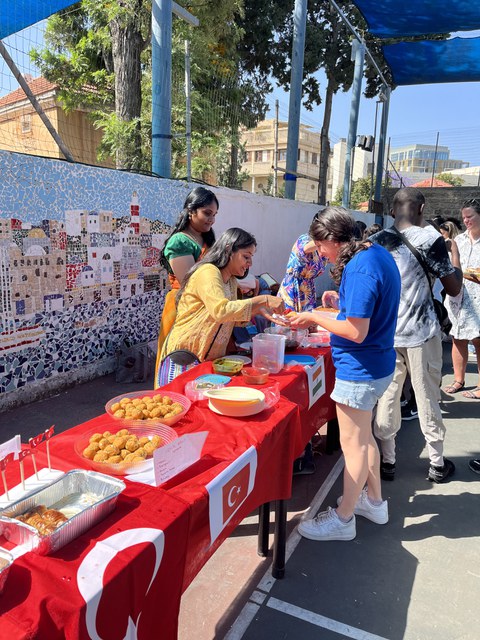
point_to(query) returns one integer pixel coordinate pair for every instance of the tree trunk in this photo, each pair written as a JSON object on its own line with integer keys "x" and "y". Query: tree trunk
{"x": 127, "y": 46}
{"x": 325, "y": 145}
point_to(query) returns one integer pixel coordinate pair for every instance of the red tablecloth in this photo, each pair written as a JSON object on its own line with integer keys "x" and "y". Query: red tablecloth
{"x": 132, "y": 567}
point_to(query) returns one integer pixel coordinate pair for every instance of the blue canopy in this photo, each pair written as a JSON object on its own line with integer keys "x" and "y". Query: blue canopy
{"x": 432, "y": 61}
{"x": 16, "y": 15}
{"x": 400, "y": 18}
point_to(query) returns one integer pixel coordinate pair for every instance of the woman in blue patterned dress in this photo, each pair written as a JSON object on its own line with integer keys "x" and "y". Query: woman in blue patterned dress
{"x": 304, "y": 264}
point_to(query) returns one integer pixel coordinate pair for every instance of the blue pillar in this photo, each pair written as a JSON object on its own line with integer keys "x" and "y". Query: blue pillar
{"x": 358, "y": 54}
{"x": 161, "y": 87}
{"x": 298, "y": 50}
{"x": 381, "y": 150}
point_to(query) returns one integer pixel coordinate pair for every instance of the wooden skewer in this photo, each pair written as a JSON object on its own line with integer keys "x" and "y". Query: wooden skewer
{"x": 5, "y": 484}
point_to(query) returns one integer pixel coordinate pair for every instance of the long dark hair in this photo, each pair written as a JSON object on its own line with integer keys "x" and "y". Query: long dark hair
{"x": 336, "y": 224}
{"x": 196, "y": 199}
{"x": 231, "y": 241}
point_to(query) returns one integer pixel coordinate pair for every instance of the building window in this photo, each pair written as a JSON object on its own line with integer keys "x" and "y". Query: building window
{"x": 26, "y": 123}
{"x": 314, "y": 158}
{"x": 258, "y": 156}
{"x": 282, "y": 154}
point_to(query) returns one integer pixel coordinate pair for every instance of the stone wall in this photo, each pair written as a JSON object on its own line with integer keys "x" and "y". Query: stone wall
{"x": 439, "y": 201}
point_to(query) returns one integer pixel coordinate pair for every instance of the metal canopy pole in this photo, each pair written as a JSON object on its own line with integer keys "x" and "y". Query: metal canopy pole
{"x": 298, "y": 50}
{"x": 381, "y": 151}
{"x": 161, "y": 87}
{"x": 162, "y": 81}
{"x": 358, "y": 54}
{"x": 36, "y": 105}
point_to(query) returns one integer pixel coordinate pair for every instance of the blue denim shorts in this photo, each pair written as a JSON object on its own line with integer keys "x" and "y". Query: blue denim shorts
{"x": 362, "y": 394}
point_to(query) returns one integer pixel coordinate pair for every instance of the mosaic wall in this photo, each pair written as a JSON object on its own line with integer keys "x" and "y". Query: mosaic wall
{"x": 79, "y": 269}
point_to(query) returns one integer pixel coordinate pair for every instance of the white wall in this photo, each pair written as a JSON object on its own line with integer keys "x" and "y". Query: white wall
{"x": 276, "y": 224}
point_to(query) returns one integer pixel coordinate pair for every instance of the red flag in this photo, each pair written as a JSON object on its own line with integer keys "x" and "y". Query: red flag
{"x": 234, "y": 492}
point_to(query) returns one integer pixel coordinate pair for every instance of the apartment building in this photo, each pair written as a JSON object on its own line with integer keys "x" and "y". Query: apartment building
{"x": 260, "y": 161}
{"x": 424, "y": 158}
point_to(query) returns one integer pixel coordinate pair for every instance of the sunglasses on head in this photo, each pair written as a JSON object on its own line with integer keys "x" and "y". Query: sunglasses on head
{"x": 473, "y": 202}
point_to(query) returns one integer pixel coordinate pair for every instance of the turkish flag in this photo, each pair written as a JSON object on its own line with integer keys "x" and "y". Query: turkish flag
{"x": 234, "y": 492}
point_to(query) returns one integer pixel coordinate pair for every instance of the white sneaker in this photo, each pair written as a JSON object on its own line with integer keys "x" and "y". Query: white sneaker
{"x": 327, "y": 526}
{"x": 377, "y": 513}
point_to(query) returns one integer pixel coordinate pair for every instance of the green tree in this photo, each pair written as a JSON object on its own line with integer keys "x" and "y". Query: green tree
{"x": 455, "y": 181}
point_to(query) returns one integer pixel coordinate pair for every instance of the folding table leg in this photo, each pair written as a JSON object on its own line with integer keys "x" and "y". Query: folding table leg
{"x": 333, "y": 437}
{"x": 279, "y": 539}
{"x": 263, "y": 529}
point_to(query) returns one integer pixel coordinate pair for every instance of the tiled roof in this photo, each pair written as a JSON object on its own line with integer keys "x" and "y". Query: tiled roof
{"x": 38, "y": 86}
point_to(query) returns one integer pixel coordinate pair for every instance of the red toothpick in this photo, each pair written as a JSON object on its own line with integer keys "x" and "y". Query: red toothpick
{"x": 3, "y": 465}
{"x": 23, "y": 454}
{"x": 48, "y": 434}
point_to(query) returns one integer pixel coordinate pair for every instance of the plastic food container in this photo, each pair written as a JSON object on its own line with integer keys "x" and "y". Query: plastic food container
{"x": 319, "y": 339}
{"x": 139, "y": 395}
{"x": 137, "y": 429}
{"x": 227, "y": 365}
{"x": 293, "y": 337}
{"x": 85, "y": 497}
{"x": 195, "y": 389}
{"x": 268, "y": 351}
{"x": 255, "y": 375}
{"x": 327, "y": 312}
{"x": 6, "y": 561}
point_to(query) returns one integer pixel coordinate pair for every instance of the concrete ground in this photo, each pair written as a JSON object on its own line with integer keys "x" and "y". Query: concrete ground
{"x": 416, "y": 578}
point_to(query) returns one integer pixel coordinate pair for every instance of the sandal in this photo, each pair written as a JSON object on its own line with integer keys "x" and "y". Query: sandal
{"x": 455, "y": 387}
{"x": 471, "y": 395}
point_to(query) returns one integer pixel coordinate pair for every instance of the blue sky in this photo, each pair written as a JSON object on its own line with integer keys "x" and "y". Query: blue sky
{"x": 416, "y": 114}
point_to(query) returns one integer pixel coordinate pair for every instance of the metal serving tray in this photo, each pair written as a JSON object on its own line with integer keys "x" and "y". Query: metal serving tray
{"x": 6, "y": 561}
{"x": 85, "y": 497}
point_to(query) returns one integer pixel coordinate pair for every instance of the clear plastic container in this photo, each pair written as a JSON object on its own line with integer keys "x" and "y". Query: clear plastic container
{"x": 268, "y": 351}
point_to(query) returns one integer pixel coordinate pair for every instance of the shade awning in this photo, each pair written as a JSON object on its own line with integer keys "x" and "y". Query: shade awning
{"x": 433, "y": 61}
{"x": 400, "y": 18}
{"x": 16, "y": 15}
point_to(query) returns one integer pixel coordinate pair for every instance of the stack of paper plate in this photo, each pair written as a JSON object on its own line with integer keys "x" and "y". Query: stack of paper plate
{"x": 236, "y": 402}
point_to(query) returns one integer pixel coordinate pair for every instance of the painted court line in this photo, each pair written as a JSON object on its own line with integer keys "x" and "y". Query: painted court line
{"x": 321, "y": 621}
{"x": 251, "y": 609}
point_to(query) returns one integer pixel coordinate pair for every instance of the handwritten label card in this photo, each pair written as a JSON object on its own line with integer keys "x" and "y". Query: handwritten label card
{"x": 174, "y": 457}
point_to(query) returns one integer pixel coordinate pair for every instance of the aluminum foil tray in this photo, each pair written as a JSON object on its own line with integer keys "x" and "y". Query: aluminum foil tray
{"x": 85, "y": 497}
{"x": 6, "y": 560}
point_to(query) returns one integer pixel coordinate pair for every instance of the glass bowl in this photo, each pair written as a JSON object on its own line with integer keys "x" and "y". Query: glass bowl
{"x": 136, "y": 429}
{"x": 255, "y": 375}
{"x": 169, "y": 420}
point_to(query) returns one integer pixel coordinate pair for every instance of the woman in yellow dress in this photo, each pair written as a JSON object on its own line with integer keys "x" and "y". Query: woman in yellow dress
{"x": 208, "y": 308}
{"x": 189, "y": 240}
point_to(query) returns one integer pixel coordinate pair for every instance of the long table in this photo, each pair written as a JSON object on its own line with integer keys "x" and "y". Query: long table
{"x": 124, "y": 577}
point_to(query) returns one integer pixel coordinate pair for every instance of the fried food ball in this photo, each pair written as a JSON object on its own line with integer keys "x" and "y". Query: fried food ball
{"x": 103, "y": 443}
{"x": 106, "y": 434}
{"x": 119, "y": 441}
{"x": 124, "y": 453}
{"x": 90, "y": 452}
{"x": 114, "y": 459}
{"x": 96, "y": 437}
{"x": 115, "y": 406}
{"x": 156, "y": 440}
{"x": 149, "y": 448}
{"x": 123, "y": 432}
{"x": 112, "y": 450}
{"x": 100, "y": 456}
{"x": 132, "y": 444}
{"x": 120, "y": 413}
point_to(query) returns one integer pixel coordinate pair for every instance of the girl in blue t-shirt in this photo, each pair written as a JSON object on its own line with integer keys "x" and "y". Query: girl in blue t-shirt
{"x": 364, "y": 358}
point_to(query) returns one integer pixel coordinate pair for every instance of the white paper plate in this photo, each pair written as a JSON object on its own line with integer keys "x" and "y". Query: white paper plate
{"x": 246, "y": 346}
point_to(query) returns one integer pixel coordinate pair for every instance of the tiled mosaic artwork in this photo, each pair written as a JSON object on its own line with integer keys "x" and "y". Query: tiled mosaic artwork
{"x": 79, "y": 269}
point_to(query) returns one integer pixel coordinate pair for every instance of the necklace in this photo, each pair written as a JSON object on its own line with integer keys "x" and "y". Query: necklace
{"x": 188, "y": 233}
